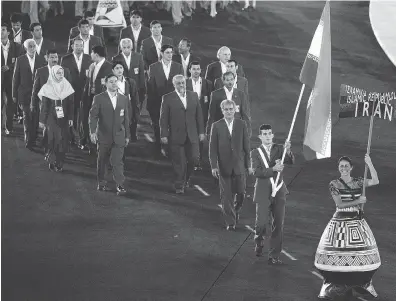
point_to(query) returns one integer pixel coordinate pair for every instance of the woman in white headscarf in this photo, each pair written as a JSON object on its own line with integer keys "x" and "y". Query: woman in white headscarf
{"x": 57, "y": 101}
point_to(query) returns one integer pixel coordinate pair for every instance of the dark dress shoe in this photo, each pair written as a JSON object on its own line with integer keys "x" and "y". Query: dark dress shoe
{"x": 187, "y": 184}
{"x": 58, "y": 168}
{"x": 258, "y": 250}
{"x": 121, "y": 190}
{"x": 231, "y": 228}
{"x": 198, "y": 168}
{"x": 103, "y": 188}
{"x": 51, "y": 167}
{"x": 179, "y": 190}
{"x": 274, "y": 261}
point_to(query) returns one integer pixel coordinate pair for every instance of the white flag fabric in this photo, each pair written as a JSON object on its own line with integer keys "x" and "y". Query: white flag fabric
{"x": 109, "y": 13}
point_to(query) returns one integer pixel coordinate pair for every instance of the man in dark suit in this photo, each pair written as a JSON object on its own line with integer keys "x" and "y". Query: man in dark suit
{"x": 18, "y": 35}
{"x": 159, "y": 84}
{"x": 151, "y": 47}
{"x": 42, "y": 44}
{"x": 203, "y": 88}
{"x": 136, "y": 31}
{"x": 228, "y": 92}
{"x": 109, "y": 128}
{"x": 78, "y": 63}
{"x": 41, "y": 78}
{"x": 182, "y": 127}
{"x": 266, "y": 164}
{"x": 240, "y": 83}
{"x": 9, "y": 52}
{"x": 22, "y": 84}
{"x": 185, "y": 57}
{"x": 229, "y": 156}
{"x": 133, "y": 66}
{"x": 94, "y": 30}
{"x": 88, "y": 39}
{"x": 97, "y": 72}
{"x": 217, "y": 69}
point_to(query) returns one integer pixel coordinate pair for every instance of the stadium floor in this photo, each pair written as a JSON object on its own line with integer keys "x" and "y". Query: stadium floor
{"x": 63, "y": 240}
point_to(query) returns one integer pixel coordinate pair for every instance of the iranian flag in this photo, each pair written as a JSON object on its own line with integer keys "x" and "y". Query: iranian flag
{"x": 316, "y": 73}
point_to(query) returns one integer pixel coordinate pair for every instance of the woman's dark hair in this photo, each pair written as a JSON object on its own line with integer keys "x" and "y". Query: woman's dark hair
{"x": 345, "y": 158}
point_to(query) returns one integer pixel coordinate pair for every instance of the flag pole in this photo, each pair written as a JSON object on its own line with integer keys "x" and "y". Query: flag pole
{"x": 368, "y": 152}
{"x": 288, "y": 138}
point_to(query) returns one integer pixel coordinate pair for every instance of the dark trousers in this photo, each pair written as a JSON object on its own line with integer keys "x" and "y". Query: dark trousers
{"x": 75, "y": 129}
{"x": 10, "y": 106}
{"x": 270, "y": 216}
{"x": 232, "y": 195}
{"x": 84, "y": 126}
{"x": 184, "y": 157}
{"x": 155, "y": 115}
{"x": 26, "y": 123}
{"x": 113, "y": 154}
{"x": 35, "y": 116}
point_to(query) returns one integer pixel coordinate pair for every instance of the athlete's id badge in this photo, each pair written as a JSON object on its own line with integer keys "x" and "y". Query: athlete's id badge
{"x": 103, "y": 81}
{"x": 205, "y": 99}
{"x": 59, "y": 112}
{"x": 122, "y": 112}
{"x": 136, "y": 70}
{"x": 13, "y": 60}
{"x": 237, "y": 109}
{"x": 87, "y": 73}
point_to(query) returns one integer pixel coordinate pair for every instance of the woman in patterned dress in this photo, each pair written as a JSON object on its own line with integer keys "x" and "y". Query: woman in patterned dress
{"x": 347, "y": 256}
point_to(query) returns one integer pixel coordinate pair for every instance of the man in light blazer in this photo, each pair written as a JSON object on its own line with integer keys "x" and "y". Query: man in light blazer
{"x": 151, "y": 47}
{"x": 240, "y": 83}
{"x": 133, "y": 66}
{"x": 229, "y": 156}
{"x": 94, "y": 29}
{"x": 228, "y": 92}
{"x": 160, "y": 83}
{"x": 109, "y": 129}
{"x": 136, "y": 31}
{"x": 182, "y": 127}
{"x": 43, "y": 44}
{"x": 203, "y": 88}
{"x": 89, "y": 40}
{"x": 218, "y": 68}
{"x": 266, "y": 164}
{"x": 22, "y": 85}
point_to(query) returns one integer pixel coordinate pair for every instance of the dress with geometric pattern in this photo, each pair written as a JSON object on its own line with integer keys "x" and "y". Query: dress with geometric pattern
{"x": 347, "y": 255}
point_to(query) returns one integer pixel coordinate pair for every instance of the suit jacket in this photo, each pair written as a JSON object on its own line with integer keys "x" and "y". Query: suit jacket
{"x": 158, "y": 85}
{"x": 135, "y": 70}
{"x": 215, "y": 113}
{"x": 98, "y": 32}
{"x": 228, "y": 152}
{"x": 179, "y": 123}
{"x": 111, "y": 125}
{"x": 78, "y": 78}
{"x": 177, "y": 58}
{"x": 145, "y": 33}
{"x": 41, "y": 78}
{"x": 48, "y": 113}
{"x": 242, "y": 84}
{"x": 263, "y": 188}
{"x": 206, "y": 90}
{"x": 149, "y": 51}
{"x": 213, "y": 71}
{"x": 22, "y": 83}
{"x": 46, "y": 45}
{"x": 25, "y": 35}
{"x": 131, "y": 92}
{"x": 104, "y": 70}
{"x": 93, "y": 41}
{"x": 13, "y": 52}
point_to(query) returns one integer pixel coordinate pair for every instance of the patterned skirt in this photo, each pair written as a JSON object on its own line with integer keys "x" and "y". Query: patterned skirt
{"x": 347, "y": 255}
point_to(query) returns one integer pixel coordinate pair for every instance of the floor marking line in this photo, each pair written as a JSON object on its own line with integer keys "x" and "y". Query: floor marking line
{"x": 201, "y": 190}
{"x": 288, "y": 255}
{"x": 148, "y": 137}
{"x": 249, "y": 228}
{"x": 361, "y": 298}
{"x": 317, "y": 274}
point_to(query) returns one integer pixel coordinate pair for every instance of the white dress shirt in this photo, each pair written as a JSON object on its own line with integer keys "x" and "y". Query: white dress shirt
{"x": 228, "y": 93}
{"x": 268, "y": 149}
{"x": 136, "y": 33}
{"x": 166, "y": 69}
{"x": 38, "y": 46}
{"x": 86, "y": 44}
{"x": 223, "y": 68}
{"x": 158, "y": 45}
{"x": 229, "y": 125}
{"x": 185, "y": 63}
{"x": 183, "y": 99}
{"x": 78, "y": 61}
{"x": 197, "y": 86}
{"x": 235, "y": 82}
{"x": 113, "y": 99}
{"x": 6, "y": 49}
{"x": 91, "y": 30}
{"x": 127, "y": 60}
{"x": 18, "y": 36}
{"x": 97, "y": 68}
{"x": 31, "y": 62}
{"x": 121, "y": 85}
